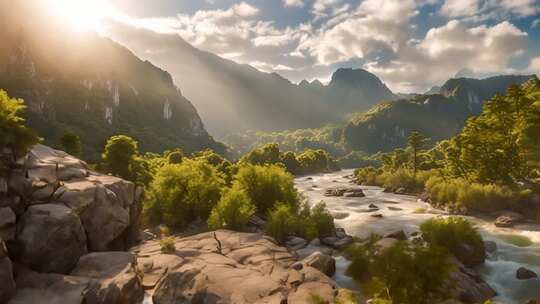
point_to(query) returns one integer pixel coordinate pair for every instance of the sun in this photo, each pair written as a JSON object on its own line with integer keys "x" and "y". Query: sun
{"x": 81, "y": 15}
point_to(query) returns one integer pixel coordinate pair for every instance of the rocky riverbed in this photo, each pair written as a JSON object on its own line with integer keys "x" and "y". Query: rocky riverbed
{"x": 382, "y": 213}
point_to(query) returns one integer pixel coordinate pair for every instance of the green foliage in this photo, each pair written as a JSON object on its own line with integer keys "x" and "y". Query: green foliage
{"x": 266, "y": 186}
{"x": 356, "y": 159}
{"x": 281, "y": 222}
{"x": 322, "y": 220}
{"x": 404, "y": 273}
{"x": 13, "y": 133}
{"x": 175, "y": 157}
{"x": 232, "y": 211}
{"x": 501, "y": 145}
{"x": 167, "y": 244}
{"x": 290, "y": 162}
{"x": 182, "y": 193}
{"x": 416, "y": 141}
{"x": 460, "y": 195}
{"x": 120, "y": 150}
{"x": 71, "y": 143}
{"x": 316, "y": 161}
{"x": 451, "y": 233}
{"x": 400, "y": 179}
{"x": 218, "y": 161}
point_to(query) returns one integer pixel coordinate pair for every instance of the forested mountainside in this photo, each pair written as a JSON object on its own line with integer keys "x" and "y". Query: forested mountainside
{"x": 234, "y": 98}
{"x": 92, "y": 86}
{"x": 438, "y": 116}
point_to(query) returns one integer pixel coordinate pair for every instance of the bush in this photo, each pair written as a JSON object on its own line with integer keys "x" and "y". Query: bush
{"x": 459, "y": 194}
{"x": 322, "y": 220}
{"x": 281, "y": 222}
{"x": 266, "y": 185}
{"x": 232, "y": 211}
{"x": 451, "y": 233}
{"x": 405, "y": 179}
{"x": 167, "y": 244}
{"x": 368, "y": 176}
{"x": 182, "y": 193}
{"x": 13, "y": 133}
{"x": 316, "y": 161}
{"x": 117, "y": 157}
{"x": 71, "y": 143}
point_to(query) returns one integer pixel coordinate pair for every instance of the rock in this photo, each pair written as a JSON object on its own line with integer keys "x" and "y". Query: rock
{"x": 334, "y": 191}
{"x": 19, "y": 184}
{"x": 257, "y": 222}
{"x": 336, "y": 242}
{"x": 310, "y": 249}
{"x": 504, "y": 222}
{"x": 295, "y": 243}
{"x": 469, "y": 255}
{"x": 354, "y": 193}
{"x": 116, "y": 273}
{"x": 490, "y": 246}
{"x": 51, "y": 238}
{"x": 507, "y": 219}
{"x": 394, "y": 208}
{"x": 401, "y": 191}
{"x": 532, "y": 301}
{"x": 315, "y": 242}
{"x": 309, "y": 178}
{"x": 7, "y": 224}
{"x": 3, "y": 185}
{"x": 525, "y": 274}
{"x": 373, "y": 206}
{"x": 467, "y": 286}
{"x": 377, "y": 215}
{"x": 340, "y": 232}
{"x": 7, "y": 283}
{"x": 322, "y": 262}
{"x": 52, "y": 288}
{"x": 398, "y": 235}
{"x": 229, "y": 267}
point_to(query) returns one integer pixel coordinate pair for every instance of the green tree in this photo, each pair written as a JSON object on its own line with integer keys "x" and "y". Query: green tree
{"x": 266, "y": 185}
{"x": 175, "y": 157}
{"x": 182, "y": 193}
{"x": 71, "y": 143}
{"x": 120, "y": 150}
{"x": 14, "y": 135}
{"x": 281, "y": 222}
{"x": 232, "y": 211}
{"x": 416, "y": 142}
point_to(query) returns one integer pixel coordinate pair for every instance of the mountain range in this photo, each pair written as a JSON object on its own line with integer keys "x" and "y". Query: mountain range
{"x": 93, "y": 86}
{"x": 234, "y": 97}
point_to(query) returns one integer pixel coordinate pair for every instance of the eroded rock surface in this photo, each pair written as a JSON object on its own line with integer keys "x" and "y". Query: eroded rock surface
{"x": 229, "y": 267}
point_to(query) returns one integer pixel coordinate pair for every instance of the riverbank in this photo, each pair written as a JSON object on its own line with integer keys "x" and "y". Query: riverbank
{"x": 406, "y": 212}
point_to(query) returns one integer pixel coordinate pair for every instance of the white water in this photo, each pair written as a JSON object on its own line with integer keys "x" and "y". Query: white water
{"x": 500, "y": 268}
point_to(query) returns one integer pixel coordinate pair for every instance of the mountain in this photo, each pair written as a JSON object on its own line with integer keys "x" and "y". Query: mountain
{"x": 92, "y": 86}
{"x": 439, "y": 116}
{"x": 233, "y": 97}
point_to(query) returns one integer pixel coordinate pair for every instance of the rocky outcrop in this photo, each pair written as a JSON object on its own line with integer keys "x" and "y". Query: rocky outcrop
{"x": 507, "y": 219}
{"x": 210, "y": 267}
{"x": 465, "y": 285}
{"x": 7, "y": 283}
{"x": 54, "y": 210}
{"x": 525, "y": 274}
{"x": 320, "y": 261}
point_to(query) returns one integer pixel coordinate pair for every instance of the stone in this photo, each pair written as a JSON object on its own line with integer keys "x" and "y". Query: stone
{"x": 334, "y": 191}
{"x": 470, "y": 256}
{"x": 467, "y": 286}
{"x": 337, "y": 243}
{"x": 525, "y": 274}
{"x": 398, "y": 235}
{"x": 504, "y": 222}
{"x": 532, "y": 301}
{"x": 229, "y": 267}
{"x": 373, "y": 206}
{"x": 401, "y": 191}
{"x": 377, "y": 215}
{"x": 18, "y": 183}
{"x": 3, "y": 185}
{"x": 295, "y": 243}
{"x": 354, "y": 193}
{"x": 116, "y": 273}
{"x": 322, "y": 262}
{"x": 257, "y": 222}
{"x": 394, "y": 208}
{"x": 315, "y": 242}
{"x": 7, "y": 224}
{"x": 490, "y": 246}
{"x": 51, "y": 238}
{"x": 310, "y": 249}
{"x": 7, "y": 283}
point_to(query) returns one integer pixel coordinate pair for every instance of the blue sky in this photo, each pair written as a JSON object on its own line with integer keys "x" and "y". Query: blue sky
{"x": 410, "y": 44}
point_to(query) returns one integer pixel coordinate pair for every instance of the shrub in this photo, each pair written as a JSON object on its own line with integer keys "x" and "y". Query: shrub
{"x": 367, "y": 176}
{"x": 167, "y": 244}
{"x": 281, "y": 222}
{"x": 181, "y": 193}
{"x": 266, "y": 185}
{"x": 13, "y": 133}
{"x": 71, "y": 143}
{"x": 316, "y": 161}
{"x": 322, "y": 220}
{"x": 451, "y": 233}
{"x": 118, "y": 155}
{"x": 232, "y": 211}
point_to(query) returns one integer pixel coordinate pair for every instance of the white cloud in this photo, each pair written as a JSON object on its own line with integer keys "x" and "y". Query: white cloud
{"x": 482, "y": 10}
{"x": 293, "y": 3}
{"x": 460, "y": 8}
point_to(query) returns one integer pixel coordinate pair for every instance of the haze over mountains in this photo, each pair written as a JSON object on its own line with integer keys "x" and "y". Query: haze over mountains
{"x": 232, "y": 97}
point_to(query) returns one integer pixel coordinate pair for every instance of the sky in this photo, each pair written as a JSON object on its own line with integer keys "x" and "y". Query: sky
{"x": 411, "y": 45}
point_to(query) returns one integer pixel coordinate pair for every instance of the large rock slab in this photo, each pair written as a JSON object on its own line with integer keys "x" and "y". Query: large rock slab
{"x": 229, "y": 267}
{"x": 51, "y": 238}
{"x": 7, "y": 223}
{"x": 467, "y": 286}
{"x": 116, "y": 273}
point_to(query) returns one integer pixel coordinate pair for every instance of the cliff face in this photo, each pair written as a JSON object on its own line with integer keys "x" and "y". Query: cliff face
{"x": 91, "y": 85}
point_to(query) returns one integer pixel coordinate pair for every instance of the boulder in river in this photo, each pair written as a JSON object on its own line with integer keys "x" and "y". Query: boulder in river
{"x": 377, "y": 215}
{"x": 295, "y": 242}
{"x": 334, "y": 191}
{"x": 507, "y": 219}
{"x": 490, "y": 246}
{"x": 372, "y": 206}
{"x": 354, "y": 193}
{"x": 398, "y": 235}
{"x": 320, "y": 261}
{"x": 470, "y": 256}
{"x": 466, "y": 285}
{"x": 525, "y": 274}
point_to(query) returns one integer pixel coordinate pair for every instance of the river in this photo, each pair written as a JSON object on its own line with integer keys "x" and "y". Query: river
{"x": 513, "y": 247}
